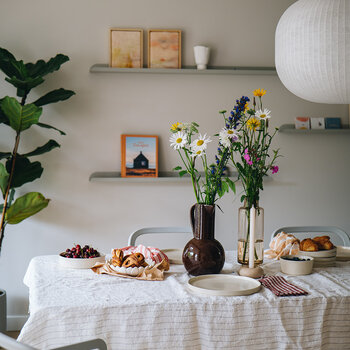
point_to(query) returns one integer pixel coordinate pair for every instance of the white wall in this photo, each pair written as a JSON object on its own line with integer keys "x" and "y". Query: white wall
{"x": 311, "y": 188}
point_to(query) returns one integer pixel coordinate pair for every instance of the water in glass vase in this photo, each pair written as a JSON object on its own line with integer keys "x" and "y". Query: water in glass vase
{"x": 243, "y": 252}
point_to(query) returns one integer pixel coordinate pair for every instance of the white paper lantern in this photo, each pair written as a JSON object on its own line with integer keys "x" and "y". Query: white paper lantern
{"x": 312, "y": 50}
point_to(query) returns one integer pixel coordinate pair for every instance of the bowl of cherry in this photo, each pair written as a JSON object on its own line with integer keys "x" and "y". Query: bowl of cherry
{"x": 296, "y": 265}
{"x": 81, "y": 257}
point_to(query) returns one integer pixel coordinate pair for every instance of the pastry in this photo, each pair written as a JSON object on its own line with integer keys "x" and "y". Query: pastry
{"x": 117, "y": 257}
{"x": 308, "y": 245}
{"x": 323, "y": 242}
{"x": 131, "y": 261}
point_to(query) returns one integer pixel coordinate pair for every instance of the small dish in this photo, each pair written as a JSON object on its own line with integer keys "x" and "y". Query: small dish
{"x": 80, "y": 263}
{"x": 223, "y": 285}
{"x": 343, "y": 253}
{"x": 320, "y": 253}
{"x": 174, "y": 255}
{"x": 296, "y": 267}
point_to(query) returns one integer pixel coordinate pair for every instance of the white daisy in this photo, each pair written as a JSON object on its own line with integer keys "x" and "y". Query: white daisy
{"x": 225, "y": 141}
{"x": 201, "y": 143}
{"x": 178, "y": 140}
{"x": 197, "y": 153}
{"x": 262, "y": 115}
{"x": 228, "y": 133}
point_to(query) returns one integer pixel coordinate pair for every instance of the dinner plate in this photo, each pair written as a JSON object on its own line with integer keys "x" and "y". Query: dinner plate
{"x": 174, "y": 256}
{"x": 224, "y": 285}
{"x": 320, "y": 253}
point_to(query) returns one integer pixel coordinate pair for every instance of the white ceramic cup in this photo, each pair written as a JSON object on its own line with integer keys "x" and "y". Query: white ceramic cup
{"x": 201, "y": 56}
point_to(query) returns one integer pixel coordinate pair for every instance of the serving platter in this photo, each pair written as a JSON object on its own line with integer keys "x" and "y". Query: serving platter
{"x": 223, "y": 285}
{"x": 320, "y": 253}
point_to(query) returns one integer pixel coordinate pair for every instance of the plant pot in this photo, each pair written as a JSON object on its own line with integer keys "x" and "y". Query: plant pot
{"x": 203, "y": 254}
{"x": 244, "y": 222}
{"x": 3, "y": 313}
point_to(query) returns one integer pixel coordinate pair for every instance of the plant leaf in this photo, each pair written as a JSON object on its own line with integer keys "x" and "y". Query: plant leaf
{"x": 46, "y": 126}
{"x": 54, "y": 96}
{"x": 4, "y": 176}
{"x": 24, "y": 85}
{"x": 24, "y": 171}
{"x": 20, "y": 117}
{"x": 25, "y": 206}
{"x": 6, "y": 58}
{"x": 177, "y": 168}
{"x": 182, "y": 173}
{"x": 231, "y": 184}
{"x": 41, "y": 68}
{"x": 50, "y": 145}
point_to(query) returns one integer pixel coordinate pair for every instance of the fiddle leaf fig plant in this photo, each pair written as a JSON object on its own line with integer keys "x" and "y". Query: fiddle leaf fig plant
{"x": 16, "y": 169}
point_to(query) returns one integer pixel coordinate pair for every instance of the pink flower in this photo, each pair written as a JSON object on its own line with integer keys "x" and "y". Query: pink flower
{"x": 274, "y": 169}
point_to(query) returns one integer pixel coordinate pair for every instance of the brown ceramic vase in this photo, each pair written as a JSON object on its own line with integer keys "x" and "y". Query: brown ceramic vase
{"x": 203, "y": 254}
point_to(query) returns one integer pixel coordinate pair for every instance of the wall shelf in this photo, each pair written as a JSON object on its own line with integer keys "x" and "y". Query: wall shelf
{"x": 163, "y": 176}
{"x": 290, "y": 129}
{"x": 104, "y": 68}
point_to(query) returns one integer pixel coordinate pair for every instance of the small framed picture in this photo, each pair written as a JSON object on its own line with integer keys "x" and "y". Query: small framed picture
{"x": 126, "y": 48}
{"x": 139, "y": 156}
{"x": 164, "y": 48}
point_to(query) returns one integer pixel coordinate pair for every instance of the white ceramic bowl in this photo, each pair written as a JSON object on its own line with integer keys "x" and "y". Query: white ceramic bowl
{"x": 80, "y": 263}
{"x": 320, "y": 253}
{"x": 296, "y": 268}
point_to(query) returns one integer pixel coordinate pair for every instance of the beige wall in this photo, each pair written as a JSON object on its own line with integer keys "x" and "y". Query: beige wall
{"x": 311, "y": 188}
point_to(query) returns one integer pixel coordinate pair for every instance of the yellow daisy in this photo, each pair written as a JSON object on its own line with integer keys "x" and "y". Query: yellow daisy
{"x": 259, "y": 92}
{"x": 176, "y": 127}
{"x": 253, "y": 123}
{"x": 246, "y": 107}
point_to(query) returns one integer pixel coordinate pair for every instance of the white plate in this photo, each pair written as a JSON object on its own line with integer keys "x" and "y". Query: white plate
{"x": 80, "y": 263}
{"x": 223, "y": 285}
{"x": 320, "y": 253}
{"x": 174, "y": 255}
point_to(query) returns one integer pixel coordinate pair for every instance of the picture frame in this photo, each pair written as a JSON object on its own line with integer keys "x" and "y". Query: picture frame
{"x": 164, "y": 48}
{"x": 126, "y": 48}
{"x": 139, "y": 155}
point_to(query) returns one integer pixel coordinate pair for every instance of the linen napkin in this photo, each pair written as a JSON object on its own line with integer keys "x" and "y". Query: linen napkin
{"x": 280, "y": 287}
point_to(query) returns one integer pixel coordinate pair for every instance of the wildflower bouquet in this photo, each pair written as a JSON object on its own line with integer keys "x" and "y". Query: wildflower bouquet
{"x": 212, "y": 183}
{"x": 251, "y": 152}
{"x": 253, "y": 160}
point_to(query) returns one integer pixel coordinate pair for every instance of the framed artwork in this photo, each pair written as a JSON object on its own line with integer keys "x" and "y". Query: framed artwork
{"x": 139, "y": 156}
{"x": 164, "y": 48}
{"x": 126, "y": 48}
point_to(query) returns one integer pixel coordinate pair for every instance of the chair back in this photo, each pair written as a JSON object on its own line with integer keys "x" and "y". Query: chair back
{"x": 337, "y": 235}
{"x": 160, "y": 236}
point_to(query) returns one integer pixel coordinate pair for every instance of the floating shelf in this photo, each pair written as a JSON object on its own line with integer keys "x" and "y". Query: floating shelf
{"x": 104, "y": 68}
{"x": 163, "y": 176}
{"x": 290, "y": 129}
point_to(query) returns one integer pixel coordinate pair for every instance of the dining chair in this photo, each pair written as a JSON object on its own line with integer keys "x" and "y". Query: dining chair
{"x": 161, "y": 231}
{"x": 337, "y": 235}
{"x": 9, "y": 343}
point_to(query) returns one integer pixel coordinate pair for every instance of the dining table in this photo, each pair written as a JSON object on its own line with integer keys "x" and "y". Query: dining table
{"x": 68, "y": 305}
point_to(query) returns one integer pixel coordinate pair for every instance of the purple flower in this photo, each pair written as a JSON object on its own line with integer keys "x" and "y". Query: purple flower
{"x": 274, "y": 169}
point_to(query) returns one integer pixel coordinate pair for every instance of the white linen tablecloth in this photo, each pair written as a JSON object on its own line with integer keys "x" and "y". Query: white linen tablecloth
{"x": 68, "y": 306}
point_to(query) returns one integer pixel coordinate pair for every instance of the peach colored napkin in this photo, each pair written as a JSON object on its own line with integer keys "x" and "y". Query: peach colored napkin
{"x": 154, "y": 273}
{"x": 282, "y": 244}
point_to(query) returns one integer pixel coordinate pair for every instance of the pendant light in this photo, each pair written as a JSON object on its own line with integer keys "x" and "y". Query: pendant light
{"x": 312, "y": 50}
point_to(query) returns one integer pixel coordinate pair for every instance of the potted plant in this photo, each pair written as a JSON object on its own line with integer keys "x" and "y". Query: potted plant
{"x": 16, "y": 168}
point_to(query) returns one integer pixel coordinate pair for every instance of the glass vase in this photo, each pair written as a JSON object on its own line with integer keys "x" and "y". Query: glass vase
{"x": 244, "y": 222}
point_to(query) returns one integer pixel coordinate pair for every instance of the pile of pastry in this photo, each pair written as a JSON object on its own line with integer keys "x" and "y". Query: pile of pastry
{"x": 132, "y": 260}
{"x": 315, "y": 244}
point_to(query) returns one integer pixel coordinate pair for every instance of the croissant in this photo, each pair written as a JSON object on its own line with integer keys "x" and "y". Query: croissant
{"x": 308, "y": 245}
{"x": 323, "y": 242}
